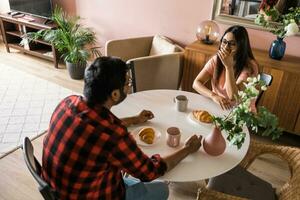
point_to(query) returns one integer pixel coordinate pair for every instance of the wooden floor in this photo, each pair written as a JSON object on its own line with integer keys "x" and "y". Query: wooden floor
{"x": 17, "y": 183}
{"x": 15, "y": 180}
{"x": 41, "y": 68}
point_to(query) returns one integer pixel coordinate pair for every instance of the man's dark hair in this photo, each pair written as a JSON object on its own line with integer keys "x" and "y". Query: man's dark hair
{"x": 103, "y": 76}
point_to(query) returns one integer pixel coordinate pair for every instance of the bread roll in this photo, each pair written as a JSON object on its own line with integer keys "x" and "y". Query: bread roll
{"x": 202, "y": 116}
{"x": 147, "y": 135}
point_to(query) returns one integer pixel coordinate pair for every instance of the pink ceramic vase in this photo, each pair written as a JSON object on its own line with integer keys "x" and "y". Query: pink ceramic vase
{"x": 214, "y": 144}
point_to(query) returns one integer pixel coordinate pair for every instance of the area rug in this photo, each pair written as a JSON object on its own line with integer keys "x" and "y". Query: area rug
{"x": 26, "y": 105}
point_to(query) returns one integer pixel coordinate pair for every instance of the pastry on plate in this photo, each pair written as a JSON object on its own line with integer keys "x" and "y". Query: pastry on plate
{"x": 202, "y": 116}
{"x": 147, "y": 135}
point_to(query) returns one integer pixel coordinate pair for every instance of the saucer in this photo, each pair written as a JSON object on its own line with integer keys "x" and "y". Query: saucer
{"x": 193, "y": 119}
{"x": 136, "y": 131}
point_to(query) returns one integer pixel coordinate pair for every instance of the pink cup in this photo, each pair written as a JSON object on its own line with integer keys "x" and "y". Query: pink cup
{"x": 173, "y": 136}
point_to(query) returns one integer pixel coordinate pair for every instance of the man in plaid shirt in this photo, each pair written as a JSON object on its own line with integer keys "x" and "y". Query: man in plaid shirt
{"x": 87, "y": 146}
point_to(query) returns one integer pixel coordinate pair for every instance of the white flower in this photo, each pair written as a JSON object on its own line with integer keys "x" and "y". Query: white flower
{"x": 254, "y": 80}
{"x": 249, "y": 79}
{"x": 291, "y": 29}
{"x": 263, "y": 88}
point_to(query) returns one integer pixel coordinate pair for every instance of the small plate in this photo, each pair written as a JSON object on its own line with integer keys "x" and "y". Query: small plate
{"x": 140, "y": 142}
{"x": 193, "y": 119}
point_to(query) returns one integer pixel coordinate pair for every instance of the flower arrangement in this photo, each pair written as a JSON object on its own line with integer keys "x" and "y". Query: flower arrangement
{"x": 260, "y": 120}
{"x": 282, "y": 25}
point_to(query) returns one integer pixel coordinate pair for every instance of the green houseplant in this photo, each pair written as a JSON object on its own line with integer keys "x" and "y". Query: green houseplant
{"x": 71, "y": 40}
{"x": 259, "y": 121}
{"x": 282, "y": 25}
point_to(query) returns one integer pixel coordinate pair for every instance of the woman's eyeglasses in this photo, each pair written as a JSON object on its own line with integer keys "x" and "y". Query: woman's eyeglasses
{"x": 230, "y": 43}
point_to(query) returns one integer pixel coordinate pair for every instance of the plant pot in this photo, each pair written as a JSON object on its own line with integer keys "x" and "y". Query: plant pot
{"x": 214, "y": 144}
{"x": 76, "y": 70}
{"x": 277, "y": 49}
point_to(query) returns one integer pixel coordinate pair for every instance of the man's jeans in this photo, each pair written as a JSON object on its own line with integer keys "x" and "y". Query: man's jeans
{"x": 137, "y": 190}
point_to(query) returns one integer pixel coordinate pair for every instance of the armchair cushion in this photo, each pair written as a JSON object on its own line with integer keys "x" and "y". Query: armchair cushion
{"x": 240, "y": 182}
{"x": 162, "y": 45}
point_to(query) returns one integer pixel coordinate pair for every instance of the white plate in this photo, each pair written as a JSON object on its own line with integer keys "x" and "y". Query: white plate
{"x": 140, "y": 142}
{"x": 193, "y": 119}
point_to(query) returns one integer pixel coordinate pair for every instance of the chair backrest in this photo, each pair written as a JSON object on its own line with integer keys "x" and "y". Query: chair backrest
{"x": 129, "y": 48}
{"x": 150, "y": 74}
{"x": 267, "y": 78}
{"x": 35, "y": 169}
{"x": 155, "y": 61}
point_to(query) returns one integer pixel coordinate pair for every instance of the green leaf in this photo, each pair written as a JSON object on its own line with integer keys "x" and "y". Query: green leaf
{"x": 240, "y": 116}
{"x": 70, "y": 38}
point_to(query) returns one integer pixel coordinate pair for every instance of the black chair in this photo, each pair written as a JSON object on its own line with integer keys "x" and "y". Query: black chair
{"x": 35, "y": 169}
{"x": 267, "y": 78}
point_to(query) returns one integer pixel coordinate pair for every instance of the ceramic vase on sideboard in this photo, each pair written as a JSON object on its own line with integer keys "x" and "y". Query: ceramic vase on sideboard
{"x": 214, "y": 144}
{"x": 277, "y": 49}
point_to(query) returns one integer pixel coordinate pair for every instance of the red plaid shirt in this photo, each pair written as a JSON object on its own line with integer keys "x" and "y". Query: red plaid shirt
{"x": 86, "y": 149}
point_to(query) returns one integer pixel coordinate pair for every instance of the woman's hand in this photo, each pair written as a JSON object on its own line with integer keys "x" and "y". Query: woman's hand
{"x": 193, "y": 143}
{"x": 226, "y": 57}
{"x": 223, "y": 102}
{"x": 144, "y": 116}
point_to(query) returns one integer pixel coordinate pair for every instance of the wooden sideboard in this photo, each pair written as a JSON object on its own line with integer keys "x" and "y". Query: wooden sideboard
{"x": 282, "y": 97}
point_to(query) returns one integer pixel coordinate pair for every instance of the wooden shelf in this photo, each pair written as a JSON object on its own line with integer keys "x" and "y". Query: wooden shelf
{"x": 42, "y": 42}
{"x": 13, "y": 30}
{"x": 15, "y": 33}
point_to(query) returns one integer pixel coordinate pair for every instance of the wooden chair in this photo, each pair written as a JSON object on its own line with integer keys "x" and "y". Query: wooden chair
{"x": 35, "y": 169}
{"x": 289, "y": 191}
{"x": 267, "y": 78}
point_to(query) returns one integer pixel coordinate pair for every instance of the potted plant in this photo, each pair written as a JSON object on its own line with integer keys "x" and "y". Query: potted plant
{"x": 259, "y": 121}
{"x": 71, "y": 40}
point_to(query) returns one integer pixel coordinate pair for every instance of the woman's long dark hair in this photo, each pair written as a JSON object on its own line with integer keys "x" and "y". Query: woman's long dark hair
{"x": 243, "y": 52}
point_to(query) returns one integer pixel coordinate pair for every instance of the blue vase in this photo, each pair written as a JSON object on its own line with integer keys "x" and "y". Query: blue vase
{"x": 277, "y": 49}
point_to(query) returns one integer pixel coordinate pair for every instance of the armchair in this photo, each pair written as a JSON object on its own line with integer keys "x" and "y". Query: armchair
{"x": 289, "y": 191}
{"x": 155, "y": 62}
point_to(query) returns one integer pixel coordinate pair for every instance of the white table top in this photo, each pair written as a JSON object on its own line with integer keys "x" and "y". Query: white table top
{"x": 197, "y": 166}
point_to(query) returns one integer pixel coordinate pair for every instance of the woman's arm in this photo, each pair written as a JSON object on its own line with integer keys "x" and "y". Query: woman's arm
{"x": 199, "y": 82}
{"x": 226, "y": 57}
{"x": 230, "y": 84}
{"x": 199, "y": 86}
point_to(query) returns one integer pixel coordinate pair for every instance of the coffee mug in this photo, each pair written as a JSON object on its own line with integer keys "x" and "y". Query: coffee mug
{"x": 173, "y": 136}
{"x": 181, "y": 103}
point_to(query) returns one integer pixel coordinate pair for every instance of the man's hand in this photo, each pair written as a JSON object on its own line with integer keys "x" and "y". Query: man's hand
{"x": 193, "y": 143}
{"x": 223, "y": 102}
{"x": 144, "y": 116}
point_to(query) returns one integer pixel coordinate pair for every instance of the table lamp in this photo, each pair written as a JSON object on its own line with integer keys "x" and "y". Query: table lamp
{"x": 208, "y": 32}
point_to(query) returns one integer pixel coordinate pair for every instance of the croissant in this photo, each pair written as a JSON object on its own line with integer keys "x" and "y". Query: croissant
{"x": 202, "y": 116}
{"x": 147, "y": 135}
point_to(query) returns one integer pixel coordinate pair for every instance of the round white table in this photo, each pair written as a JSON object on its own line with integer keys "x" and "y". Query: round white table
{"x": 196, "y": 166}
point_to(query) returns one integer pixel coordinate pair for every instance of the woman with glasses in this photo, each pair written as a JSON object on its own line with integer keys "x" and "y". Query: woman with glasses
{"x": 228, "y": 69}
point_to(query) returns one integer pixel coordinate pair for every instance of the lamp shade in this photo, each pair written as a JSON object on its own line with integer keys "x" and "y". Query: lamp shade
{"x": 208, "y": 32}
